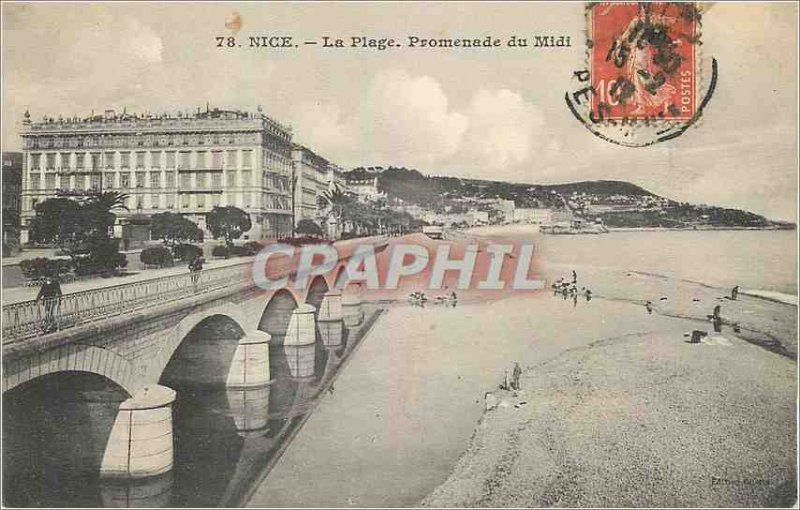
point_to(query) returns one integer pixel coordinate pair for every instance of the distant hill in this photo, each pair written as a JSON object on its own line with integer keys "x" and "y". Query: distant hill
{"x": 602, "y": 188}
{"x": 627, "y": 205}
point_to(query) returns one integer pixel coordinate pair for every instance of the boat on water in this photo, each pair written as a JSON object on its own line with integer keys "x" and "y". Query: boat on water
{"x": 574, "y": 227}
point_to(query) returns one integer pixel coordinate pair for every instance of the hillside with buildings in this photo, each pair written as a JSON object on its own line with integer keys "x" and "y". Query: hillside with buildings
{"x": 615, "y": 204}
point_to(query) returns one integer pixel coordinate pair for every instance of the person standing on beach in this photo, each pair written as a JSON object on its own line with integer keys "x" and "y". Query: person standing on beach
{"x": 735, "y": 293}
{"x": 649, "y": 307}
{"x": 716, "y": 312}
{"x": 574, "y": 276}
{"x": 516, "y": 374}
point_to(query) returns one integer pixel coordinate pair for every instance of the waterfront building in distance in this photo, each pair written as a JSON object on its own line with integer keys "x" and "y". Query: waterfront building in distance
{"x": 184, "y": 163}
{"x": 311, "y": 181}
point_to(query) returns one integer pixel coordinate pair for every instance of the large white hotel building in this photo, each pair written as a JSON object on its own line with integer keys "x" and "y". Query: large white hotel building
{"x": 185, "y": 163}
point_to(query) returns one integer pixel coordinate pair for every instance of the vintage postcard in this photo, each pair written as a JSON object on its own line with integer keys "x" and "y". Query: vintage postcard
{"x": 399, "y": 254}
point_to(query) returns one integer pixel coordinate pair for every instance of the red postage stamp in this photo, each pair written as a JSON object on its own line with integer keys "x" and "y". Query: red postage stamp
{"x": 642, "y": 60}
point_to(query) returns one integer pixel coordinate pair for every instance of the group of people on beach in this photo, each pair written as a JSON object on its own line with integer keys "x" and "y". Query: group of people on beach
{"x": 418, "y": 298}
{"x": 570, "y": 288}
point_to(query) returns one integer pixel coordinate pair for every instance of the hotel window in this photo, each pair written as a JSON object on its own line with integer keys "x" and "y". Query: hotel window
{"x": 125, "y": 159}
{"x": 247, "y": 159}
{"x": 201, "y": 180}
{"x": 95, "y": 160}
{"x": 186, "y": 181}
{"x": 96, "y": 183}
{"x": 246, "y": 177}
{"x": 216, "y": 180}
{"x": 140, "y": 179}
{"x": 50, "y": 181}
{"x": 201, "y": 201}
{"x": 230, "y": 159}
{"x": 109, "y": 159}
{"x": 109, "y": 180}
{"x": 36, "y": 161}
{"x": 51, "y": 161}
{"x": 170, "y": 201}
{"x": 79, "y": 182}
{"x": 64, "y": 182}
{"x": 184, "y": 160}
{"x": 139, "y": 201}
{"x": 231, "y": 178}
{"x": 155, "y": 201}
{"x": 214, "y": 200}
{"x": 216, "y": 159}
{"x": 170, "y": 179}
{"x": 125, "y": 180}
{"x": 140, "y": 160}
{"x": 36, "y": 180}
{"x": 155, "y": 179}
{"x": 170, "y": 159}
{"x": 65, "y": 157}
{"x": 201, "y": 159}
{"x": 155, "y": 160}
{"x": 185, "y": 201}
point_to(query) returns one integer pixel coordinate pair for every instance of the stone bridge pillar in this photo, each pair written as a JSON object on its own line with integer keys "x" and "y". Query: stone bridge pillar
{"x": 329, "y": 319}
{"x": 250, "y": 364}
{"x": 250, "y": 409}
{"x": 302, "y": 329}
{"x": 351, "y": 309}
{"x": 140, "y": 444}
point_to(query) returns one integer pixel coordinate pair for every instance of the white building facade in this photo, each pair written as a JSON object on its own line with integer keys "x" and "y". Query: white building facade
{"x": 185, "y": 164}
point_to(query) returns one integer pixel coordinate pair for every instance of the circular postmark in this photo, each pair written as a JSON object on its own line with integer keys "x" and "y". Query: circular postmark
{"x": 644, "y": 79}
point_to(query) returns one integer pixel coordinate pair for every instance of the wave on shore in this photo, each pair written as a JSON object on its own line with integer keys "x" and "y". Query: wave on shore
{"x": 770, "y": 295}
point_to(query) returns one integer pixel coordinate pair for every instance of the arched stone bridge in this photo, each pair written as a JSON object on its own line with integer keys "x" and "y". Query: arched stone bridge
{"x": 128, "y": 334}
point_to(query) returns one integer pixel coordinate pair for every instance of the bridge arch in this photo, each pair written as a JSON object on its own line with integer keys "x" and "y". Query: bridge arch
{"x": 75, "y": 357}
{"x": 277, "y": 314}
{"x": 316, "y": 291}
{"x": 340, "y": 281}
{"x": 57, "y": 427}
{"x": 182, "y": 330}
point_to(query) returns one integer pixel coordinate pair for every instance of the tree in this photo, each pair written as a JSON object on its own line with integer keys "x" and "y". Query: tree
{"x": 173, "y": 229}
{"x": 309, "y": 228}
{"x": 99, "y": 210}
{"x": 61, "y": 221}
{"x": 341, "y": 205}
{"x": 228, "y": 222}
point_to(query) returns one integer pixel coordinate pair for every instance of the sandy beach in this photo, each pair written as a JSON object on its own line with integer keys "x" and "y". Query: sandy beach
{"x": 643, "y": 417}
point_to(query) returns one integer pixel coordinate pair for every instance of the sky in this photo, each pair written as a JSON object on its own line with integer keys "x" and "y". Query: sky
{"x": 480, "y": 113}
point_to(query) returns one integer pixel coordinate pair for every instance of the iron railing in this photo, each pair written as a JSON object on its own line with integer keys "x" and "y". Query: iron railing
{"x": 35, "y": 317}
{"x": 31, "y": 318}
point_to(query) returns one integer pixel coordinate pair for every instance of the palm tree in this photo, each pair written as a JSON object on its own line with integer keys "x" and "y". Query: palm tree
{"x": 339, "y": 202}
{"x": 101, "y": 206}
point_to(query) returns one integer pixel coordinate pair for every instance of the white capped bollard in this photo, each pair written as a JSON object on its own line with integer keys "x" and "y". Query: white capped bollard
{"x": 140, "y": 444}
{"x": 351, "y": 309}
{"x": 250, "y": 364}
{"x": 302, "y": 328}
{"x": 331, "y": 307}
{"x": 250, "y": 409}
